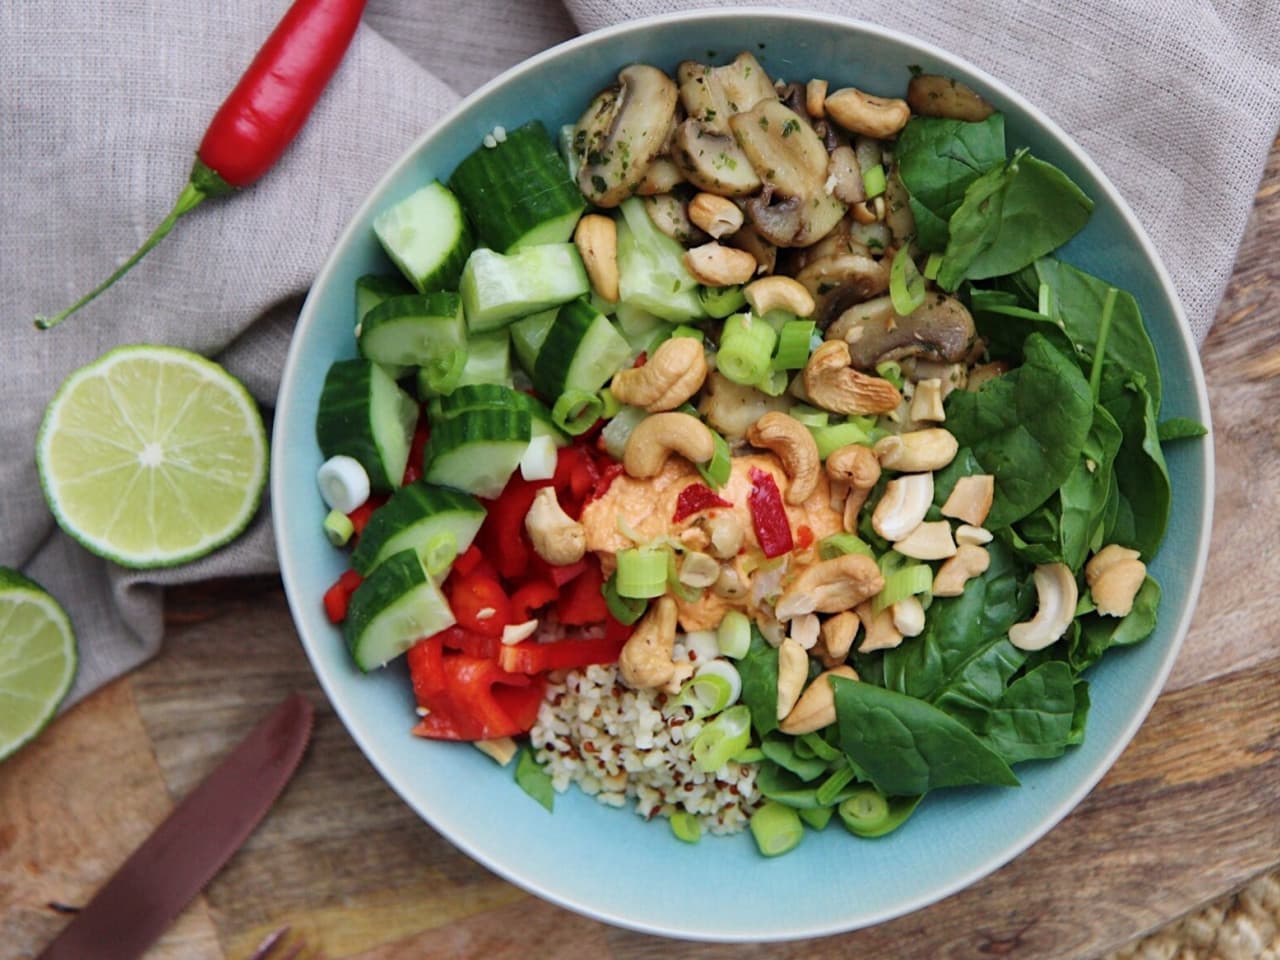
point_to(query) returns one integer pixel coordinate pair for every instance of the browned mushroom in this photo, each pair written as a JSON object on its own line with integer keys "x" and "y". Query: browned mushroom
{"x": 939, "y": 329}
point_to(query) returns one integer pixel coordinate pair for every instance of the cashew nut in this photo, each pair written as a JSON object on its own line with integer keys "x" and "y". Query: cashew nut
{"x": 1115, "y": 574}
{"x": 672, "y": 375}
{"x": 596, "y": 238}
{"x": 858, "y": 467}
{"x": 815, "y": 98}
{"x": 698, "y": 570}
{"x": 971, "y": 498}
{"x": 967, "y": 533}
{"x": 902, "y": 508}
{"x": 726, "y": 533}
{"x": 729, "y": 584}
{"x": 500, "y": 749}
{"x": 928, "y": 541}
{"x": 969, "y": 561}
{"x": 830, "y": 586}
{"x": 833, "y": 385}
{"x": 926, "y": 402}
{"x": 779, "y": 293}
{"x": 858, "y": 112}
{"x": 880, "y": 632}
{"x": 557, "y": 538}
{"x": 794, "y": 445}
{"x": 718, "y": 216}
{"x": 816, "y": 707}
{"x": 838, "y": 633}
{"x": 719, "y": 266}
{"x": 805, "y": 630}
{"x": 659, "y": 435}
{"x": 908, "y": 616}
{"x": 793, "y": 670}
{"x": 917, "y": 450}
{"x": 1056, "y": 597}
{"x": 869, "y": 211}
{"x": 645, "y": 661}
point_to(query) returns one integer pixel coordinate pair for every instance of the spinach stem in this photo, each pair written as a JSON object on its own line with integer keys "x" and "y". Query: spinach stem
{"x": 1100, "y": 351}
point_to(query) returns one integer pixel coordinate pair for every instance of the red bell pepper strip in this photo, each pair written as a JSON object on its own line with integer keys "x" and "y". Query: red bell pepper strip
{"x": 533, "y": 658}
{"x": 530, "y": 597}
{"x": 582, "y": 602}
{"x": 502, "y": 535}
{"x": 338, "y": 596}
{"x": 425, "y": 660}
{"x": 695, "y": 498}
{"x": 421, "y": 434}
{"x": 469, "y": 642}
{"x": 479, "y": 603}
{"x": 259, "y": 118}
{"x": 480, "y": 701}
{"x": 467, "y": 560}
{"x": 768, "y": 515}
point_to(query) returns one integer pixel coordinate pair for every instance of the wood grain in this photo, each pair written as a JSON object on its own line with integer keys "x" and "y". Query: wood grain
{"x": 1189, "y": 812}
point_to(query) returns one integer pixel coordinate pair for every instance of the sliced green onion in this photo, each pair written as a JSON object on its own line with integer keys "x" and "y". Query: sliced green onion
{"x": 832, "y": 438}
{"x": 819, "y": 747}
{"x": 625, "y": 610}
{"x": 641, "y": 573}
{"x": 746, "y": 347}
{"x": 793, "y": 344}
{"x": 907, "y": 581}
{"x": 932, "y": 265}
{"x": 906, "y": 286}
{"x": 686, "y": 826}
{"x": 838, "y": 544}
{"x": 817, "y": 817}
{"x": 830, "y": 788}
{"x": 777, "y": 828}
{"x": 722, "y": 739}
{"x": 733, "y": 636}
{"x": 867, "y": 813}
{"x": 720, "y": 302}
{"x": 716, "y": 471}
{"x": 441, "y": 374}
{"x": 874, "y": 181}
{"x": 439, "y": 552}
{"x": 534, "y": 780}
{"x": 338, "y": 528}
{"x": 343, "y": 482}
{"x": 684, "y": 330}
{"x": 677, "y": 586}
{"x": 714, "y": 687}
{"x": 609, "y": 405}
{"x": 576, "y": 411}
{"x": 891, "y": 371}
{"x": 539, "y": 459}
{"x": 809, "y": 416}
{"x": 775, "y": 383}
{"x": 749, "y": 755}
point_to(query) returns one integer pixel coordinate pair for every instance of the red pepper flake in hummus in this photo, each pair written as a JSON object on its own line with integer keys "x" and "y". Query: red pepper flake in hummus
{"x": 768, "y": 515}
{"x": 695, "y": 498}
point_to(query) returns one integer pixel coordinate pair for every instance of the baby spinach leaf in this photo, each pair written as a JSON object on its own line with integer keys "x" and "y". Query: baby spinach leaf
{"x": 937, "y": 160}
{"x": 906, "y": 746}
{"x": 759, "y": 673}
{"x": 1010, "y": 216}
{"x": 534, "y": 780}
{"x": 963, "y": 464}
{"x": 1098, "y": 634}
{"x": 781, "y": 749}
{"x": 1026, "y": 427}
{"x": 1181, "y": 428}
{"x": 1081, "y": 715}
{"x": 1033, "y": 720}
{"x": 1084, "y": 494}
{"x": 1141, "y": 474}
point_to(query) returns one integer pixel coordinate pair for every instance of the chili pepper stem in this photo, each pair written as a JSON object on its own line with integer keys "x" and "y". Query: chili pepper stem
{"x": 187, "y": 200}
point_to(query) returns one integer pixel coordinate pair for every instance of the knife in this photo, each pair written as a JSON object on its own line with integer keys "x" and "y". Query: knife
{"x": 173, "y": 864}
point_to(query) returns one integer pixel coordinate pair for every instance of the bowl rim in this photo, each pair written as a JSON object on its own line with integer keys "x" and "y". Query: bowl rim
{"x": 1186, "y": 344}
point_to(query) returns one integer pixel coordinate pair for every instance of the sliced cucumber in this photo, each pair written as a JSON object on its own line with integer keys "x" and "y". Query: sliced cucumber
{"x": 393, "y": 608}
{"x": 498, "y": 288}
{"x": 420, "y": 330}
{"x": 519, "y": 192}
{"x": 492, "y": 396}
{"x": 651, "y": 270}
{"x": 477, "y": 452}
{"x": 527, "y": 335}
{"x": 365, "y": 415}
{"x": 411, "y": 518}
{"x": 373, "y": 288}
{"x": 582, "y": 351}
{"x": 427, "y": 237}
{"x": 488, "y": 359}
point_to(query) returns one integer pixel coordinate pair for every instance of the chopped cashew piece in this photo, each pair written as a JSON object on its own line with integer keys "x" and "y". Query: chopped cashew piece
{"x": 557, "y": 538}
{"x": 830, "y": 586}
{"x": 902, "y": 508}
{"x": 718, "y": 216}
{"x": 596, "y": 238}
{"x": 681, "y": 671}
{"x": 816, "y": 707}
{"x": 779, "y": 293}
{"x": 833, "y": 385}
{"x": 726, "y": 533}
{"x": 971, "y": 499}
{"x": 969, "y": 561}
{"x": 908, "y": 616}
{"x": 1115, "y": 575}
{"x": 659, "y": 435}
{"x": 719, "y": 266}
{"x": 917, "y": 450}
{"x": 926, "y": 402}
{"x": 838, "y": 633}
{"x": 645, "y": 661}
{"x": 815, "y": 98}
{"x": 858, "y": 468}
{"x": 515, "y": 632}
{"x": 793, "y": 444}
{"x": 501, "y": 749}
{"x": 793, "y": 670}
{"x": 673, "y": 373}
{"x": 967, "y": 533}
{"x": 880, "y": 631}
{"x": 858, "y": 112}
{"x": 928, "y": 541}
{"x": 1056, "y": 596}
{"x": 804, "y": 630}
{"x": 698, "y": 570}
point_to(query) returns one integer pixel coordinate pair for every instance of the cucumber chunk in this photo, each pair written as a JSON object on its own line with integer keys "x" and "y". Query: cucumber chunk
{"x": 651, "y": 270}
{"x": 527, "y": 335}
{"x": 519, "y": 193}
{"x": 582, "y": 352}
{"x": 477, "y": 452}
{"x": 373, "y": 288}
{"x": 419, "y": 330}
{"x": 427, "y": 237}
{"x": 498, "y": 288}
{"x": 365, "y": 415}
{"x": 488, "y": 359}
{"x": 490, "y": 396}
{"x": 411, "y": 518}
{"x": 392, "y": 609}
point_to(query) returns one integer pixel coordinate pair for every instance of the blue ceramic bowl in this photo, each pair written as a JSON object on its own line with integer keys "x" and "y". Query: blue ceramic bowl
{"x": 610, "y": 864}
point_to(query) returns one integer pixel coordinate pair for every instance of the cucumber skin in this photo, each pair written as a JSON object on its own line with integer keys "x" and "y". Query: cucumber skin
{"x": 418, "y": 503}
{"x": 511, "y": 428}
{"x": 343, "y": 420}
{"x": 511, "y": 190}
{"x": 375, "y": 288}
{"x": 494, "y": 396}
{"x": 437, "y": 312}
{"x": 391, "y": 582}
{"x": 497, "y": 288}
{"x": 449, "y": 269}
{"x": 560, "y": 364}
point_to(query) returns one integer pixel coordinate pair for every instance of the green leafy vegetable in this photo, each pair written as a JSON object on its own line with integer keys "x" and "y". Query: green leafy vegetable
{"x": 534, "y": 780}
{"x": 1142, "y": 478}
{"x": 1033, "y": 720}
{"x": 1180, "y": 428}
{"x": 759, "y": 673}
{"x": 1099, "y": 634}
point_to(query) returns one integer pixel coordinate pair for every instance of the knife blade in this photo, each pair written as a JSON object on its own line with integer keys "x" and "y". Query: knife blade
{"x": 182, "y": 855}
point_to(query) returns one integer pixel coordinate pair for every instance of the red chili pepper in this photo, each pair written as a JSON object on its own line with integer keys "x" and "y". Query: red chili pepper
{"x": 804, "y": 536}
{"x": 260, "y": 117}
{"x": 338, "y": 596}
{"x": 768, "y": 515}
{"x": 695, "y": 498}
{"x": 531, "y": 657}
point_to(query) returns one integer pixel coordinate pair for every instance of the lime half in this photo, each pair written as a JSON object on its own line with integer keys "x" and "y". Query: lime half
{"x": 37, "y": 659}
{"x": 152, "y": 456}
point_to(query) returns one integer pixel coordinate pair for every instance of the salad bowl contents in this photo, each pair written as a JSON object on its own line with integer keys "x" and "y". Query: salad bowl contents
{"x": 737, "y": 439}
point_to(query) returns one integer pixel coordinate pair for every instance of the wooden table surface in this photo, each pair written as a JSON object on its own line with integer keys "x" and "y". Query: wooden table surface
{"x": 1191, "y": 810}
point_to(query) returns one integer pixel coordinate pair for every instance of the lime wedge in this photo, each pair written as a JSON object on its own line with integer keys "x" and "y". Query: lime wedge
{"x": 37, "y": 659}
{"x": 152, "y": 456}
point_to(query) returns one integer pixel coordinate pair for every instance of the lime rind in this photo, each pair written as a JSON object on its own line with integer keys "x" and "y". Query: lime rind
{"x": 28, "y": 711}
{"x": 110, "y": 415}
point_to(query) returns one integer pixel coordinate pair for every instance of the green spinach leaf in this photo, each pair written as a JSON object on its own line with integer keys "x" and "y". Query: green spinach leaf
{"x": 759, "y": 673}
{"x": 1181, "y": 428}
{"x": 1098, "y": 634}
{"x": 1033, "y": 720}
{"x": 1084, "y": 495}
{"x": 1142, "y": 477}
